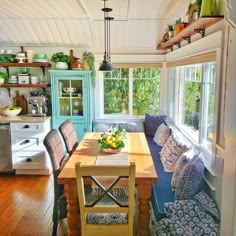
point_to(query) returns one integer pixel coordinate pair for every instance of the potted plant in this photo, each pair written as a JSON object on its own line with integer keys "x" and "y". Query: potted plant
{"x": 170, "y": 31}
{"x": 88, "y": 63}
{"x": 3, "y": 75}
{"x": 62, "y": 60}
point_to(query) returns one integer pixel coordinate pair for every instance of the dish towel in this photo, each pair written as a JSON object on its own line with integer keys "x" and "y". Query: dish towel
{"x": 120, "y": 158}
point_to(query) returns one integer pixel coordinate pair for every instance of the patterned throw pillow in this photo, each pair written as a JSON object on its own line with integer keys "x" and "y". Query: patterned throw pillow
{"x": 180, "y": 163}
{"x": 162, "y": 134}
{"x": 170, "y": 153}
{"x": 208, "y": 204}
{"x": 189, "y": 179}
{"x": 152, "y": 122}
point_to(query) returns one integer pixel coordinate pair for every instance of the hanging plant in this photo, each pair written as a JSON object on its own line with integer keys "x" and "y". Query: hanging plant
{"x": 88, "y": 60}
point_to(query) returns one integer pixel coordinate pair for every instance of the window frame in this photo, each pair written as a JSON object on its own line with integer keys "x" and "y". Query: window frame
{"x": 176, "y": 113}
{"x": 130, "y": 96}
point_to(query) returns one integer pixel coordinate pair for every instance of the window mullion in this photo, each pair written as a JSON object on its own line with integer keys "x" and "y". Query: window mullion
{"x": 131, "y": 91}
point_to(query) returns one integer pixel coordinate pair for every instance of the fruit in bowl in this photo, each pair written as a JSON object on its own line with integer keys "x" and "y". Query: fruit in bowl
{"x": 112, "y": 140}
{"x": 11, "y": 111}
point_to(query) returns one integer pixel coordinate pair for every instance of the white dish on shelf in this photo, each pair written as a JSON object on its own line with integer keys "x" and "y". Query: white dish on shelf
{"x": 40, "y": 60}
{"x": 68, "y": 89}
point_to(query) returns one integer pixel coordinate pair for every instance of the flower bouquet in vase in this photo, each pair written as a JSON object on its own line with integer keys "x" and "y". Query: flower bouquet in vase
{"x": 112, "y": 140}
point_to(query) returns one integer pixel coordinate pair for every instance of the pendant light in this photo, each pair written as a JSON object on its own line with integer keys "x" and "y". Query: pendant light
{"x": 106, "y": 64}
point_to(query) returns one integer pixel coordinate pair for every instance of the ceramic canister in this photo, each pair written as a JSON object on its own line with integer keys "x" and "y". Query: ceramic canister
{"x": 34, "y": 79}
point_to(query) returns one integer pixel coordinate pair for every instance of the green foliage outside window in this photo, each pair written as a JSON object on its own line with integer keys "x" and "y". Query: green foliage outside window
{"x": 192, "y": 94}
{"x": 192, "y": 103}
{"x": 145, "y": 91}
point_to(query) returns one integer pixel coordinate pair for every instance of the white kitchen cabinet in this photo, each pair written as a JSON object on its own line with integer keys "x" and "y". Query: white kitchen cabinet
{"x": 29, "y": 155}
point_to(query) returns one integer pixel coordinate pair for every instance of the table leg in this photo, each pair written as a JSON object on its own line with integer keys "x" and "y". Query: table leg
{"x": 144, "y": 196}
{"x": 73, "y": 218}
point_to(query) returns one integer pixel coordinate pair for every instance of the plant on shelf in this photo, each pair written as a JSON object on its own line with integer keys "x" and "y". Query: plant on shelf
{"x": 193, "y": 12}
{"x": 112, "y": 140}
{"x": 62, "y": 60}
{"x": 170, "y": 31}
{"x": 3, "y": 75}
{"x": 88, "y": 63}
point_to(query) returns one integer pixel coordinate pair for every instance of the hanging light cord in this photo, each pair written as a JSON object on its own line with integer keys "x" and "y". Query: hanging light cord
{"x": 105, "y": 32}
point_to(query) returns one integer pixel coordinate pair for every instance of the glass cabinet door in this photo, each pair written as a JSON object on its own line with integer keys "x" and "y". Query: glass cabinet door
{"x": 70, "y": 100}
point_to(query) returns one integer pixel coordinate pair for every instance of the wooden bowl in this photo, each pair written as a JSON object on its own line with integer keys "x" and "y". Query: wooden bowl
{"x": 109, "y": 150}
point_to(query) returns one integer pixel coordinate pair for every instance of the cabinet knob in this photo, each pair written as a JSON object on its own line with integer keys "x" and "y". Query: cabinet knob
{"x": 26, "y": 126}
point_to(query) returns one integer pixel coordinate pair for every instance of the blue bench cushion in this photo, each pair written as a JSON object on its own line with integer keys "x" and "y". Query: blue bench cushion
{"x": 161, "y": 192}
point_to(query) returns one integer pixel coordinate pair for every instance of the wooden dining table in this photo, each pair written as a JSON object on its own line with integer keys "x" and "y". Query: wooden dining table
{"x": 87, "y": 153}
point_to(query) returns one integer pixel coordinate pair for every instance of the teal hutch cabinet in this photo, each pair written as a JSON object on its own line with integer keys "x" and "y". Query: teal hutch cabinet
{"x": 72, "y": 98}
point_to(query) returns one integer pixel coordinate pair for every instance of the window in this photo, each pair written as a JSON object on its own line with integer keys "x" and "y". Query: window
{"x": 192, "y": 101}
{"x": 132, "y": 91}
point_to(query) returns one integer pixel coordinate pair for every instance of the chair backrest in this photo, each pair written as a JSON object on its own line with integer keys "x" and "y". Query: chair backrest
{"x": 106, "y": 203}
{"x": 55, "y": 149}
{"x": 69, "y": 135}
{"x": 54, "y": 146}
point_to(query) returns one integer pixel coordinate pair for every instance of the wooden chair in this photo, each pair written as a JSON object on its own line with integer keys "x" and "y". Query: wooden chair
{"x": 55, "y": 149}
{"x": 105, "y": 214}
{"x": 69, "y": 135}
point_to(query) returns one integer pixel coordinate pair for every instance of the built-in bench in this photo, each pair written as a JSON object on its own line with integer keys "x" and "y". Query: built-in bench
{"x": 161, "y": 192}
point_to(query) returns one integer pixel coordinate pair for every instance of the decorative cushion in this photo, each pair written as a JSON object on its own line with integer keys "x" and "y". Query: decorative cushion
{"x": 162, "y": 134}
{"x": 186, "y": 217}
{"x": 152, "y": 122}
{"x": 180, "y": 163}
{"x": 189, "y": 179}
{"x": 208, "y": 204}
{"x": 132, "y": 127}
{"x": 170, "y": 153}
{"x": 107, "y": 218}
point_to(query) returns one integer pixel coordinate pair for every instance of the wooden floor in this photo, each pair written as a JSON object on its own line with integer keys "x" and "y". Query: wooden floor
{"x": 26, "y": 204}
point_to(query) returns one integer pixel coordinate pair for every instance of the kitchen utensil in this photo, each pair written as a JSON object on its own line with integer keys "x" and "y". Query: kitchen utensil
{"x": 19, "y": 100}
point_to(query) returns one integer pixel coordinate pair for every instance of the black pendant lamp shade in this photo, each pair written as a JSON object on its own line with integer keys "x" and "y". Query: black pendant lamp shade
{"x": 106, "y": 64}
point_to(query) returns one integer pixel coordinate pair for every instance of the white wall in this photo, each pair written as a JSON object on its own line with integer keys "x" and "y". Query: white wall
{"x": 228, "y": 207}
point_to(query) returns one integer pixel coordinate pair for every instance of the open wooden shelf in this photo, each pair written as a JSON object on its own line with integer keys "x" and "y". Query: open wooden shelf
{"x": 35, "y": 64}
{"x": 42, "y": 65}
{"x": 24, "y": 85}
{"x": 197, "y": 26}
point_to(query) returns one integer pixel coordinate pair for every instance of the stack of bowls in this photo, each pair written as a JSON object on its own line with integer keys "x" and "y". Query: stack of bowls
{"x": 40, "y": 57}
{"x": 13, "y": 79}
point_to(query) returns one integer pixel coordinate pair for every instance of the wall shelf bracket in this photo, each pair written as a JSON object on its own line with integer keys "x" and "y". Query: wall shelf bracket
{"x": 171, "y": 48}
{"x": 9, "y": 91}
{"x": 188, "y": 39}
{"x": 43, "y": 69}
{"x": 177, "y": 44}
{"x": 200, "y": 31}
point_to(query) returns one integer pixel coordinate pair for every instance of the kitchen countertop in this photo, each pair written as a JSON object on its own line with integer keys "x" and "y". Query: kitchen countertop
{"x": 24, "y": 119}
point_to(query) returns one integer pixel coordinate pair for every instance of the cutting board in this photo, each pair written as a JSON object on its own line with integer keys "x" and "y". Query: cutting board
{"x": 19, "y": 100}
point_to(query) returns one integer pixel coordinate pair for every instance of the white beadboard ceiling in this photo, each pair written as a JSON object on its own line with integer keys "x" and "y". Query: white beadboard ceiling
{"x": 138, "y": 26}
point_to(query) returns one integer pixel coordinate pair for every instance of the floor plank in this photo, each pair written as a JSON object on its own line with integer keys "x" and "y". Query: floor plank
{"x": 26, "y": 204}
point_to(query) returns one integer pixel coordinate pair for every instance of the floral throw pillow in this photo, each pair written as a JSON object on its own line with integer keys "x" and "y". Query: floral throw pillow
{"x": 189, "y": 179}
{"x": 180, "y": 163}
{"x": 170, "y": 153}
{"x": 152, "y": 122}
{"x": 162, "y": 134}
{"x": 208, "y": 204}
